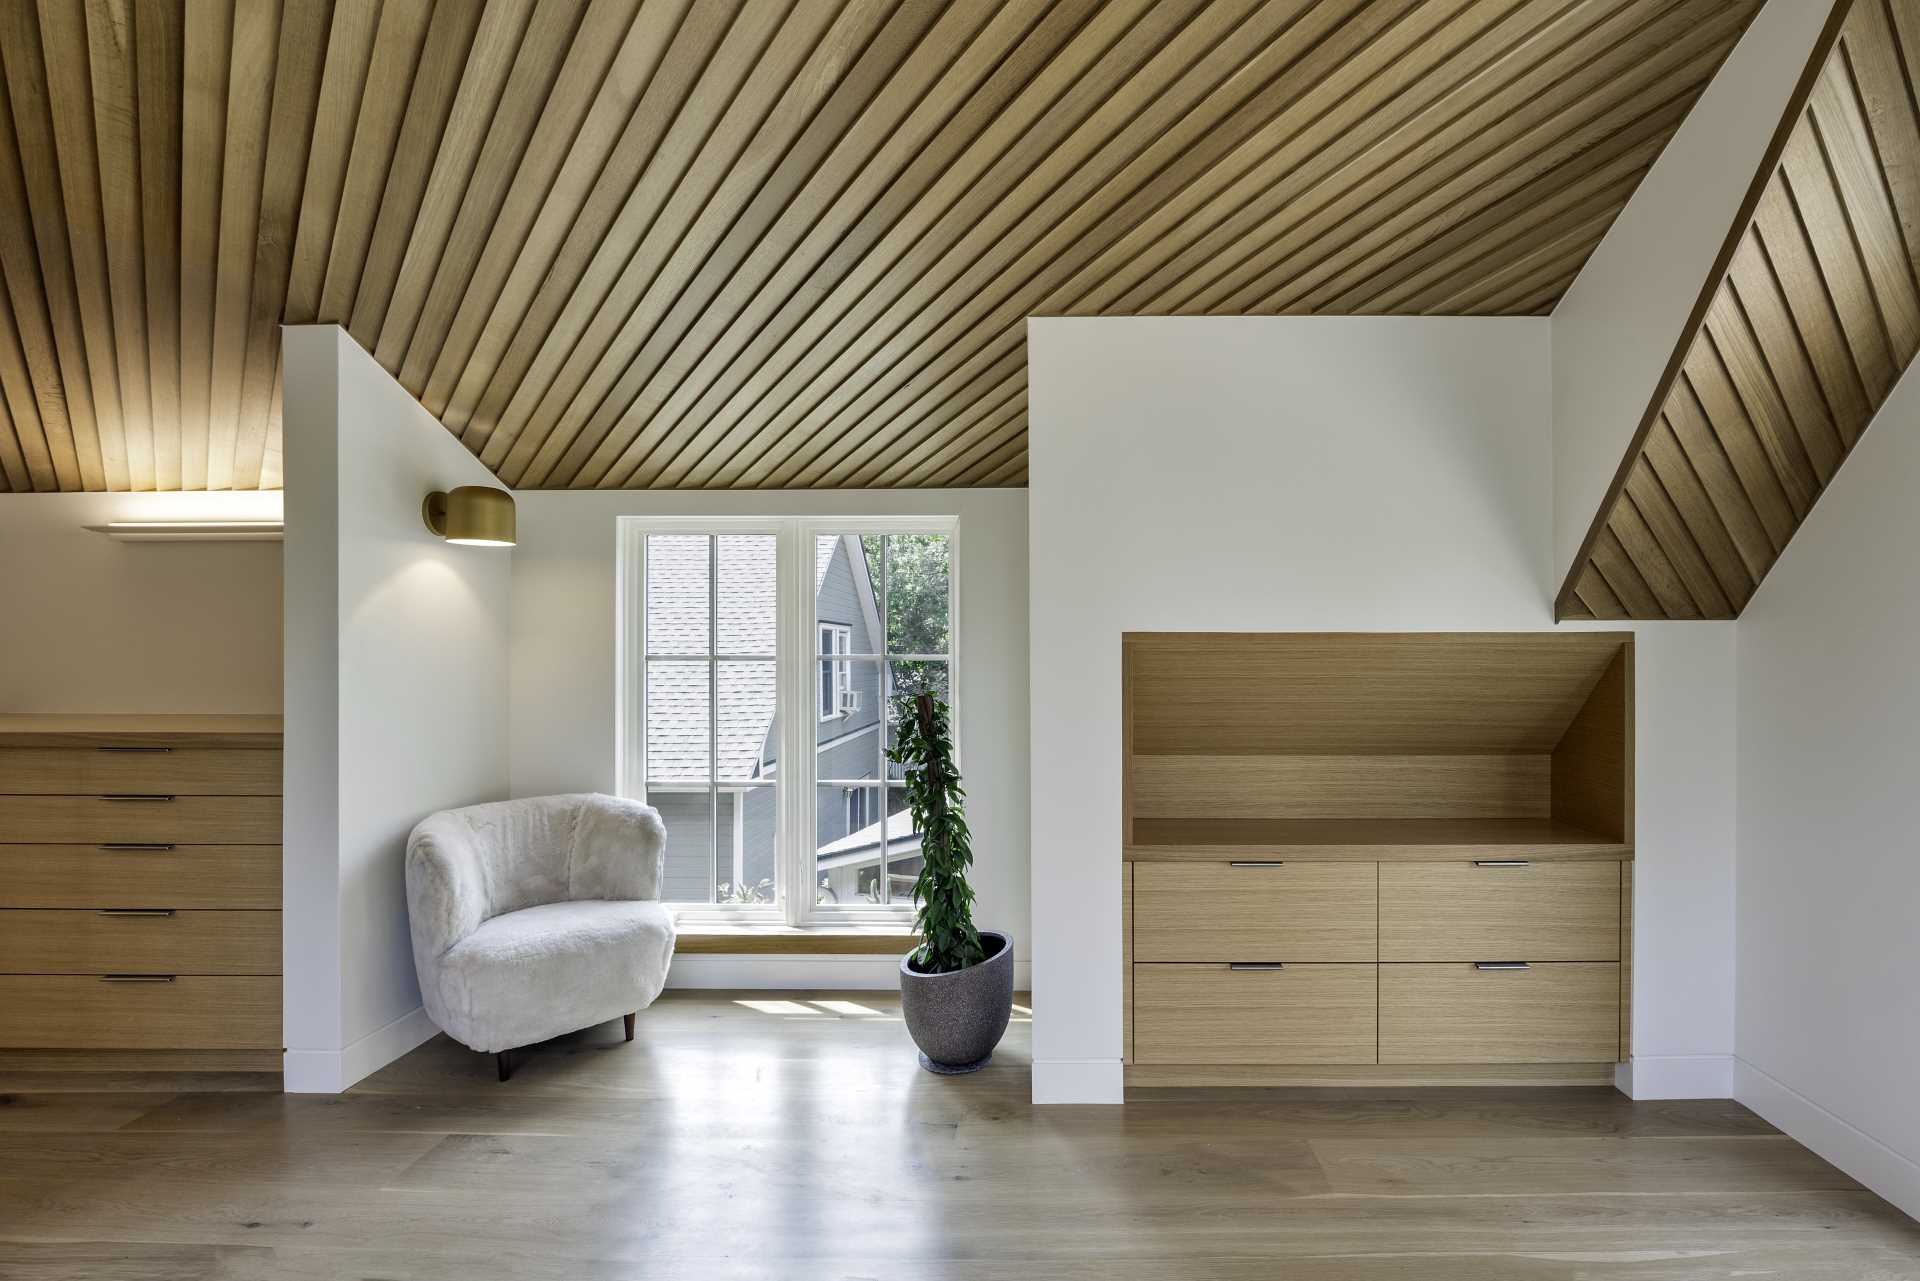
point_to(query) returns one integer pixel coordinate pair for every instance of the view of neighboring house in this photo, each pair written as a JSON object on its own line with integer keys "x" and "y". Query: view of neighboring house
{"x": 721, "y": 839}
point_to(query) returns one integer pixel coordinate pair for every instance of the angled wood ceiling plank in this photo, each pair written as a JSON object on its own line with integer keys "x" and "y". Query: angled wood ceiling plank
{"x": 1669, "y": 530}
{"x": 1866, "y": 205}
{"x": 107, "y": 27}
{"x": 516, "y": 167}
{"x": 17, "y": 390}
{"x": 1623, "y": 576}
{"x": 158, "y": 70}
{"x": 1013, "y": 473}
{"x": 880, "y": 93}
{"x": 47, "y": 438}
{"x": 398, "y": 45}
{"x": 205, "y": 41}
{"x": 256, "y": 34}
{"x": 1482, "y": 134}
{"x": 430, "y": 103}
{"x": 1776, "y": 465}
{"x": 907, "y": 454}
{"x": 1657, "y": 570}
{"x": 1086, "y": 200}
{"x": 996, "y": 71}
{"x": 343, "y": 87}
{"x": 298, "y": 69}
{"x": 1505, "y": 289}
{"x": 1885, "y": 99}
{"x": 1016, "y": 138}
{"x": 1461, "y": 63}
{"x": 1729, "y": 497}
{"x": 1756, "y": 337}
{"x": 869, "y": 50}
{"x": 515, "y": 54}
{"x": 1837, "y": 261}
{"x": 1598, "y": 597}
{"x": 586, "y": 348}
{"x": 1811, "y": 307}
{"x": 1307, "y": 276}
{"x": 666, "y": 136}
{"x": 658, "y": 67}
{"x": 90, "y": 429}
{"x": 1677, "y": 476}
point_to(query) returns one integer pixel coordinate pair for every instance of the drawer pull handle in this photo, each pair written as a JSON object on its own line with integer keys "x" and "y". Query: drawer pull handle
{"x": 135, "y": 911}
{"x": 132, "y": 847}
{"x": 1256, "y": 967}
{"x": 134, "y": 796}
{"x": 1258, "y": 862}
{"x": 133, "y": 749}
{"x": 1492, "y": 966}
{"x": 1503, "y": 862}
{"x": 136, "y": 978}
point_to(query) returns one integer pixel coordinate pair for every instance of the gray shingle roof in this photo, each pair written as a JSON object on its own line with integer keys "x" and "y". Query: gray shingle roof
{"x": 677, "y": 624}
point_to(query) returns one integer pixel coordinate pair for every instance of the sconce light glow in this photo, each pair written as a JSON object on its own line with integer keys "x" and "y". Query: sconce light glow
{"x": 471, "y": 515}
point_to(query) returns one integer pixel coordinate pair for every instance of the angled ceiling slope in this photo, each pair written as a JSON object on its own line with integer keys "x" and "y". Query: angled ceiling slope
{"x": 1808, "y": 319}
{"x": 722, "y": 243}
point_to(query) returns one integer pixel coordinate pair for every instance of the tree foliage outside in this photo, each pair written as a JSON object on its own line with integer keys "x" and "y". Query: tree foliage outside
{"x": 942, "y": 897}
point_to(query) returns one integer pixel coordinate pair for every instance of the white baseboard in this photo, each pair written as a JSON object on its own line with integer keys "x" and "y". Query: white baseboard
{"x": 1886, "y": 1172}
{"x": 801, "y": 973}
{"x": 332, "y": 1071}
{"x": 1676, "y": 1076}
{"x": 1078, "y": 1081}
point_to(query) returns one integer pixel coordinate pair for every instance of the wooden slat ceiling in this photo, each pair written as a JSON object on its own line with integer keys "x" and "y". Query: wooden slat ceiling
{"x": 1810, "y": 317}
{"x": 721, "y": 243}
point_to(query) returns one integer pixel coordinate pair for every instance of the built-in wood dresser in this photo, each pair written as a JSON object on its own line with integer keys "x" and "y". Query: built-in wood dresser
{"x": 1376, "y": 858}
{"x": 140, "y": 893}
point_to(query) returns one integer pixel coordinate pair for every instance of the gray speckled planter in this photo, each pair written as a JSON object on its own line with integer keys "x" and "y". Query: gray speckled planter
{"x": 956, "y": 1019}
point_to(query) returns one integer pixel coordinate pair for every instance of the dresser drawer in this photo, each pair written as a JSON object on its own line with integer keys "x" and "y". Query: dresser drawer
{"x": 229, "y": 876}
{"x": 182, "y": 820}
{"x": 139, "y": 941}
{"x": 1467, "y": 912}
{"x": 76, "y": 1012}
{"x": 1263, "y": 912}
{"x": 1213, "y": 1014}
{"x": 181, "y": 771}
{"x": 1555, "y": 1013}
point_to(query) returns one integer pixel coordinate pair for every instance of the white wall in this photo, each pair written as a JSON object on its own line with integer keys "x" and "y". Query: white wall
{"x": 1616, "y": 328}
{"x": 563, "y": 676}
{"x": 1829, "y": 873}
{"x": 1309, "y": 474}
{"x": 396, "y": 707}
{"x": 95, "y": 625}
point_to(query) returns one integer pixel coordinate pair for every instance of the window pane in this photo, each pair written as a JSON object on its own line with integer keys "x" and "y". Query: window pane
{"x": 919, "y": 569}
{"x": 847, "y": 844}
{"x": 749, "y": 736}
{"x": 688, "y": 815}
{"x": 679, "y": 721}
{"x": 749, "y": 820}
{"x": 847, "y": 738}
{"x": 846, "y": 588}
{"x": 678, "y": 571}
{"x": 906, "y": 680}
{"x": 746, "y": 593}
{"x": 903, "y": 847}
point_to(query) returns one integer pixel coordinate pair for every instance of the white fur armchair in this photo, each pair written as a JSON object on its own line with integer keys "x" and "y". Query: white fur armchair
{"x": 536, "y": 917}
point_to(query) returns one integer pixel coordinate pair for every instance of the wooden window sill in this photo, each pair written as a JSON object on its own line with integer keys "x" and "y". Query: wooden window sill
{"x": 781, "y": 940}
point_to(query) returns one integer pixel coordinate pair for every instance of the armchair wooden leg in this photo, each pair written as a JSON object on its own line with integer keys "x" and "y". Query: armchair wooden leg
{"x": 630, "y": 1019}
{"x": 504, "y": 1062}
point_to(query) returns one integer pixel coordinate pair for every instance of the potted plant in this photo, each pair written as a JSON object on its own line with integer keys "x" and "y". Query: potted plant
{"x": 956, "y": 988}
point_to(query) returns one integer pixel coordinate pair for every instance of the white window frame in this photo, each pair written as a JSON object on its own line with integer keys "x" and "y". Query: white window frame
{"x": 842, "y": 681}
{"x": 795, "y": 777}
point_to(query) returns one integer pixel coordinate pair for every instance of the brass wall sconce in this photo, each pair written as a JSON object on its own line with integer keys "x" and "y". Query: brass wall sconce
{"x": 471, "y": 515}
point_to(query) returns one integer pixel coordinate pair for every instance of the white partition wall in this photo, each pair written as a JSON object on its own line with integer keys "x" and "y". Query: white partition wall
{"x": 1315, "y": 474}
{"x": 396, "y": 696}
{"x": 1829, "y": 873}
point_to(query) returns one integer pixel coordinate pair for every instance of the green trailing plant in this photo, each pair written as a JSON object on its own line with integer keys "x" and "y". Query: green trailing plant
{"x": 943, "y": 899}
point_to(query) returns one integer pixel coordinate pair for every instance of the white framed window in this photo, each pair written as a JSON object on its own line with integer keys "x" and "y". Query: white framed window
{"x": 760, "y": 661}
{"x": 836, "y": 674}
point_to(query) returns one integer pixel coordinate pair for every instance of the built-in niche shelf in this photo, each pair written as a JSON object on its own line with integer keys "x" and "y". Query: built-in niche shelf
{"x": 1377, "y": 745}
{"x": 1359, "y": 858}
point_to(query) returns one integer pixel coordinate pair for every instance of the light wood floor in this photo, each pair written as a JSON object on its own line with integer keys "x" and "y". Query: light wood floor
{"x": 759, "y": 1136}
